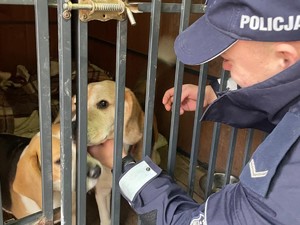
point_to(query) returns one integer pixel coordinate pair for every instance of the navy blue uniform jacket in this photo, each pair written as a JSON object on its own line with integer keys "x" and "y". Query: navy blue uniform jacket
{"x": 269, "y": 187}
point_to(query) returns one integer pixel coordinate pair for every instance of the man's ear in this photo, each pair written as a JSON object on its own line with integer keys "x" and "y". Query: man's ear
{"x": 288, "y": 54}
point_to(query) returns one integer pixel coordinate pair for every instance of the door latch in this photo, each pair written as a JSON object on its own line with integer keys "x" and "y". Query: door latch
{"x": 102, "y": 10}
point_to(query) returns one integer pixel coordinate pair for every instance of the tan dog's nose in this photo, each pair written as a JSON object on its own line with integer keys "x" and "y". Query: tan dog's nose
{"x": 74, "y": 130}
{"x": 94, "y": 172}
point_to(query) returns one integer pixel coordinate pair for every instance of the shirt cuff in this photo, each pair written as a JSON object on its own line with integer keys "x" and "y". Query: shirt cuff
{"x": 137, "y": 177}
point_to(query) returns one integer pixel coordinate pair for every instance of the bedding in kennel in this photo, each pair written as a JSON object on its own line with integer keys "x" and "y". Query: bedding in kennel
{"x": 19, "y": 97}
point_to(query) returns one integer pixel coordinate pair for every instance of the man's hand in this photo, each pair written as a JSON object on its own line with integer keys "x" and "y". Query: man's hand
{"x": 105, "y": 153}
{"x": 188, "y": 97}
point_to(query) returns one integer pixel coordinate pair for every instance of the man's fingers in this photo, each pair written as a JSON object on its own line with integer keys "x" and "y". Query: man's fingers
{"x": 168, "y": 94}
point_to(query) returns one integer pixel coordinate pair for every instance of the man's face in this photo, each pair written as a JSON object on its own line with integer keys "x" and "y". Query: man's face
{"x": 252, "y": 62}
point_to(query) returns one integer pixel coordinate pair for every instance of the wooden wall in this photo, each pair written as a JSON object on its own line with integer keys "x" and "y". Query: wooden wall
{"x": 17, "y": 37}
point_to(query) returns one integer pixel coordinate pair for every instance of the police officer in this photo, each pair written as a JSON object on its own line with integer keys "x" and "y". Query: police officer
{"x": 259, "y": 41}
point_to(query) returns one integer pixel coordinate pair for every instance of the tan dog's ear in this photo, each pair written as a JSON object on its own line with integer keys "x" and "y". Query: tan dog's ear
{"x": 73, "y": 108}
{"x": 133, "y": 119}
{"x": 28, "y": 178}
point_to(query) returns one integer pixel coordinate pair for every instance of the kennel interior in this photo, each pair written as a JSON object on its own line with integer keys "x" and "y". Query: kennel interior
{"x": 49, "y": 54}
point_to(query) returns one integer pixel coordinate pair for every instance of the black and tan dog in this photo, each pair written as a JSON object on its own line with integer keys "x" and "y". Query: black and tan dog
{"x": 20, "y": 173}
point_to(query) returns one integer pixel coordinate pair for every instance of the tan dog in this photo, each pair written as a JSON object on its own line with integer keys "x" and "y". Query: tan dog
{"x": 25, "y": 180}
{"x": 101, "y": 125}
{"x": 101, "y": 117}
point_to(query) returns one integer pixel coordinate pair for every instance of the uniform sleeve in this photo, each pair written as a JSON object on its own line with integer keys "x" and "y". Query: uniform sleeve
{"x": 156, "y": 198}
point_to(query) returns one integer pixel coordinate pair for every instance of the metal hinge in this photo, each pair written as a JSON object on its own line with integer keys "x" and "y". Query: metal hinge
{"x": 102, "y": 10}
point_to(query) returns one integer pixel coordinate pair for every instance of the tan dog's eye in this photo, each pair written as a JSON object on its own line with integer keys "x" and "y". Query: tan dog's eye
{"x": 102, "y": 104}
{"x": 57, "y": 162}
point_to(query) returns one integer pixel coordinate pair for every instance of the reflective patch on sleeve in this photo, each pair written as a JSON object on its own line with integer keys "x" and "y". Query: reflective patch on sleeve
{"x": 201, "y": 218}
{"x": 135, "y": 179}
